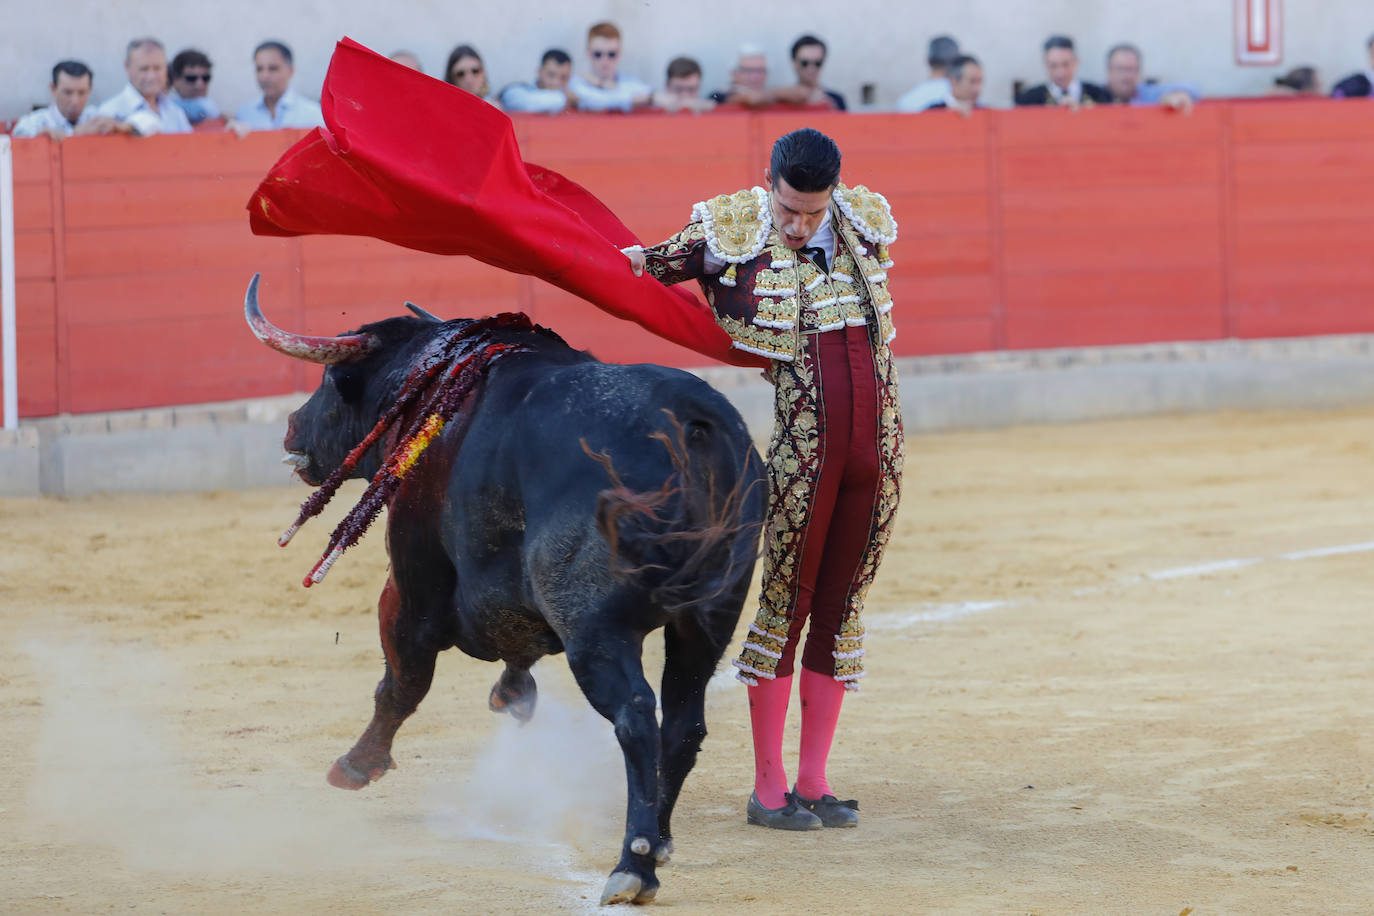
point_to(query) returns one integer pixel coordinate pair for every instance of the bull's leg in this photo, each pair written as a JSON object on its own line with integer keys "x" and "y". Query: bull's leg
{"x": 409, "y": 670}
{"x": 690, "y": 659}
{"x": 609, "y": 670}
{"x": 514, "y": 692}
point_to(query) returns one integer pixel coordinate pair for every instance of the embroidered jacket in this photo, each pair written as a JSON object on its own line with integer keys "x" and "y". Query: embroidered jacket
{"x": 768, "y": 296}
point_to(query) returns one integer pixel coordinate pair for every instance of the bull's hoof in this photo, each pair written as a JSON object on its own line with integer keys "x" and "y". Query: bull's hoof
{"x": 627, "y": 887}
{"x": 344, "y": 775}
{"x": 514, "y": 692}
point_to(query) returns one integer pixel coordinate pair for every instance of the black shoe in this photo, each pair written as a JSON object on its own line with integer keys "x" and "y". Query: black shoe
{"x": 831, "y": 811}
{"x": 788, "y": 817}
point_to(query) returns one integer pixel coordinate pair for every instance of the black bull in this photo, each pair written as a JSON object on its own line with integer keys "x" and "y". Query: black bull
{"x": 578, "y": 507}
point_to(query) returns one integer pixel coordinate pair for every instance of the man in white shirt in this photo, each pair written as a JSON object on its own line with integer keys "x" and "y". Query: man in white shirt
{"x": 143, "y": 104}
{"x": 279, "y": 106}
{"x": 550, "y": 93}
{"x": 943, "y": 50}
{"x": 68, "y": 115}
{"x": 606, "y": 89}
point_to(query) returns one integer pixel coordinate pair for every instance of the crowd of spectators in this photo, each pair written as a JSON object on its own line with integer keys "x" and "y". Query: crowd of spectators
{"x": 159, "y": 97}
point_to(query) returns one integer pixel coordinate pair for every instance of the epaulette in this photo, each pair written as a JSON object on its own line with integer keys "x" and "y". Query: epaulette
{"x": 736, "y": 227}
{"x": 868, "y": 212}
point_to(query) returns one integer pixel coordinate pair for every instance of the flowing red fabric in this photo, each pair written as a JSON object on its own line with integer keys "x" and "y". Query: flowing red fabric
{"x": 417, "y": 162}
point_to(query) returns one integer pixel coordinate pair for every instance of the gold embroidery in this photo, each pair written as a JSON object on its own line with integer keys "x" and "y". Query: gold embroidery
{"x": 736, "y": 225}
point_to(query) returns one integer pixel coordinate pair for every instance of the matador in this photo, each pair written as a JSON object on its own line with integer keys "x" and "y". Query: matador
{"x": 796, "y": 271}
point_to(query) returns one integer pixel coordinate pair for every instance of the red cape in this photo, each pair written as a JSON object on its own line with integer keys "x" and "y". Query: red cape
{"x": 417, "y": 162}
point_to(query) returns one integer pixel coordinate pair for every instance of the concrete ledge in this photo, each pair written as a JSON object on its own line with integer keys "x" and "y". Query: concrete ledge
{"x": 238, "y": 444}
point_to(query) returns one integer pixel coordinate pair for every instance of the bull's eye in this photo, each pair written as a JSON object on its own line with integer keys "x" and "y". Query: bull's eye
{"x": 347, "y": 381}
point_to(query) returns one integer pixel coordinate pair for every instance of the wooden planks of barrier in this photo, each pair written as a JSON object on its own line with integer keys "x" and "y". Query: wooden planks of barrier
{"x": 1019, "y": 229}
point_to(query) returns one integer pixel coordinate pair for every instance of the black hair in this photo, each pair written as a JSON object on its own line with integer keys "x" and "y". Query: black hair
{"x": 807, "y": 41}
{"x": 277, "y": 46}
{"x": 681, "y": 67}
{"x": 458, "y": 54}
{"x": 807, "y": 160}
{"x": 557, "y": 55}
{"x": 943, "y": 49}
{"x": 955, "y": 70}
{"x": 1058, "y": 41}
{"x": 189, "y": 58}
{"x": 1125, "y": 46}
{"x": 73, "y": 68}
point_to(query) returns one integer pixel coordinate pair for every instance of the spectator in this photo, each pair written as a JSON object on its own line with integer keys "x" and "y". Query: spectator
{"x": 606, "y": 89}
{"x": 939, "y": 56}
{"x": 407, "y": 59}
{"x": 748, "y": 81}
{"x": 191, "y": 87}
{"x": 466, "y": 71}
{"x": 1358, "y": 85}
{"x": 1300, "y": 81}
{"x": 279, "y": 106}
{"x": 1123, "y": 82}
{"x": 143, "y": 104}
{"x": 808, "y": 57}
{"x": 68, "y": 115}
{"x": 1064, "y": 86}
{"x": 550, "y": 93}
{"x": 965, "y": 86}
{"x": 682, "y": 90}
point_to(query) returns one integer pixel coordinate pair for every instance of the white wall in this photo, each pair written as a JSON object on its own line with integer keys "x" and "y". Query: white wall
{"x": 880, "y": 43}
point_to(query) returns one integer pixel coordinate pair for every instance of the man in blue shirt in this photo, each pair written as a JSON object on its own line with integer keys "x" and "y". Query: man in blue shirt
{"x": 550, "y": 93}
{"x": 144, "y": 105}
{"x": 279, "y": 105}
{"x": 1124, "y": 64}
{"x": 606, "y": 88}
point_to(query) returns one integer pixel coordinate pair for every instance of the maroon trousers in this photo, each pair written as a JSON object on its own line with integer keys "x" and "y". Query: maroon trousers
{"x": 844, "y": 496}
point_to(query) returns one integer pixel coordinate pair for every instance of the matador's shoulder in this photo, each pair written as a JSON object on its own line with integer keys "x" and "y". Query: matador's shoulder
{"x": 736, "y": 225}
{"x": 868, "y": 212}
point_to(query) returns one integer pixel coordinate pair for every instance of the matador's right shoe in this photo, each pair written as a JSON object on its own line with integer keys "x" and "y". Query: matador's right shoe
{"x": 790, "y": 816}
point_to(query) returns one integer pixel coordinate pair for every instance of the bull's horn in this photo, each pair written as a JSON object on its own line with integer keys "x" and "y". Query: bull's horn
{"x": 428, "y": 316}
{"x": 324, "y": 350}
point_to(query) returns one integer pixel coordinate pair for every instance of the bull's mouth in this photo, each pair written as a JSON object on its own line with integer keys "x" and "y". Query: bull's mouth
{"x": 300, "y": 463}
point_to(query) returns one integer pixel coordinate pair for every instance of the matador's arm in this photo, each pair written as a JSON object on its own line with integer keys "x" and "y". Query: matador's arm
{"x": 681, "y": 257}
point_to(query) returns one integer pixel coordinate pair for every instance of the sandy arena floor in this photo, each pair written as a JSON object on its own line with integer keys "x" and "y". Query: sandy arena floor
{"x": 1111, "y": 671}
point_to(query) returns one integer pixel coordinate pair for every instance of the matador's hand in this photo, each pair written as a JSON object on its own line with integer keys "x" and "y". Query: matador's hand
{"x": 636, "y": 256}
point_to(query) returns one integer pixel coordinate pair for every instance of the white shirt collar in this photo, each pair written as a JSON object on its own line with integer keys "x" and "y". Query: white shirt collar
{"x": 1074, "y": 92}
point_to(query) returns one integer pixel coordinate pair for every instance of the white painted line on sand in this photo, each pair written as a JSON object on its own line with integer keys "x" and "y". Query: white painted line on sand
{"x": 1328, "y": 551}
{"x": 1203, "y": 569}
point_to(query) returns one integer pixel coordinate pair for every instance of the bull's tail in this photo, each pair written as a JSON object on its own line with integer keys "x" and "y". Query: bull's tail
{"x": 695, "y": 537}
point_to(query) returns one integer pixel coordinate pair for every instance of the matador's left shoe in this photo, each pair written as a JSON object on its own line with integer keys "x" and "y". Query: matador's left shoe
{"x": 831, "y": 811}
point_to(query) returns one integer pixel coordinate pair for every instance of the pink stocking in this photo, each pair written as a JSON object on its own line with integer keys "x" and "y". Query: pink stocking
{"x": 768, "y": 716}
{"x": 821, "y": 696}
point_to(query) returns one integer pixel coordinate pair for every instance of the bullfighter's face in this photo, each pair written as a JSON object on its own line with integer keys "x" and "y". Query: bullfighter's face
{"x": 796, "y": 214}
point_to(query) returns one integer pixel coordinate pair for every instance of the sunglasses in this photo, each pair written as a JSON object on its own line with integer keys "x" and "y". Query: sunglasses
{"x": 459, "y": 74}
{"x": 195, "y": 77}
{"x": 600, "y": 54}
{"x": 811, "y": 63}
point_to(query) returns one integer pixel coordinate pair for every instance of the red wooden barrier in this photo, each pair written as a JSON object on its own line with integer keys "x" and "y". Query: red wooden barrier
{"x": 1019, "y": 229}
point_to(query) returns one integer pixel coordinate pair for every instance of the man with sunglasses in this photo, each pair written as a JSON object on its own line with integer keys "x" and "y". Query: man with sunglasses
{"x": 191, "y": 87}
{"x": 808, "y": 56}
{"x": 605, "y": 88}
